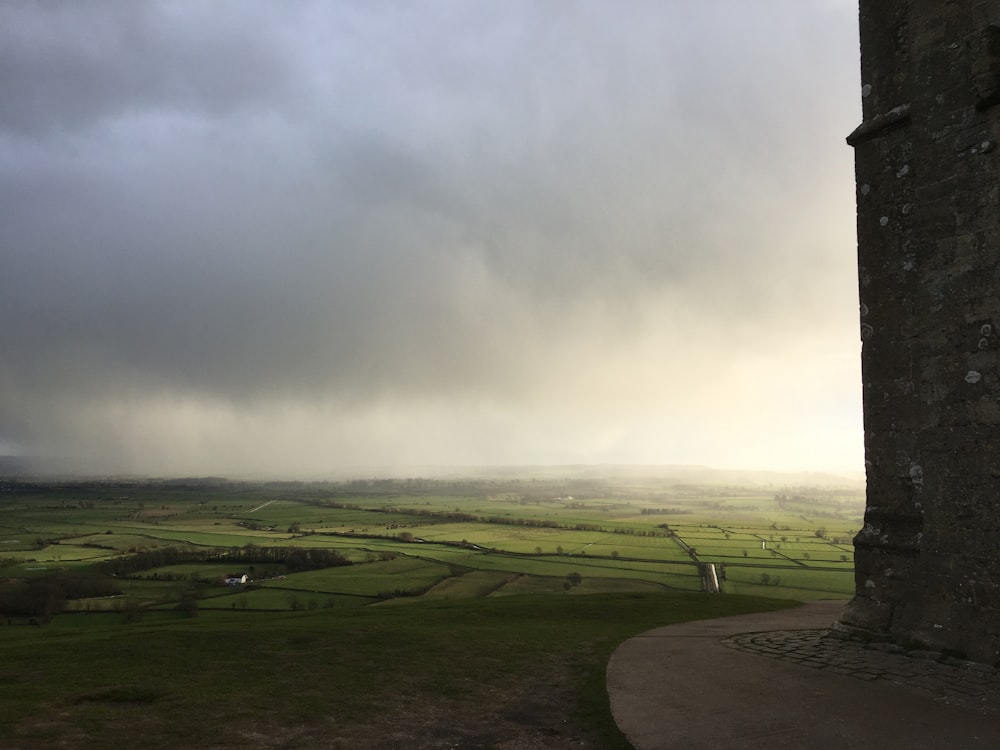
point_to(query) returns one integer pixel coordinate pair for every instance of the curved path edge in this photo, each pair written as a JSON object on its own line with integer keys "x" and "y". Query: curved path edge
{"x": 681, "y": 687}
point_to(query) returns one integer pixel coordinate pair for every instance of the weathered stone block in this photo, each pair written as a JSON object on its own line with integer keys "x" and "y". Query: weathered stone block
{"x": 928, "y": 192}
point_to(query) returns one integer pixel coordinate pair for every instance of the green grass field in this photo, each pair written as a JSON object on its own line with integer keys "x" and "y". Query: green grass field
{"x": 472, "y": 612}
{"x": 637, "y": 534}
{"x": 470, "y": 673}
{"x": 371, "y": 579}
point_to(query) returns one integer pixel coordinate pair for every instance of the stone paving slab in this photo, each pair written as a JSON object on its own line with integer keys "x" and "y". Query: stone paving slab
{"x": 949, "y": 681}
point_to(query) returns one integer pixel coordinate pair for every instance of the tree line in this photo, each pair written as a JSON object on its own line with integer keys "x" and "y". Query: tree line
{"x": 537, "y": 523}
{"x": 294, "y": 559}
{"x": 45, "y": 596}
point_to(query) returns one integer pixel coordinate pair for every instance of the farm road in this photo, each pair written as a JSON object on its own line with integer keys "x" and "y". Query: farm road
{"x": 262, "y": 505}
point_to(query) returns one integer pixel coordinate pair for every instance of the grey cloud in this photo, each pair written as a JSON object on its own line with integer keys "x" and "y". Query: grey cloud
{"x": 69, "y": 65}
{"x": 373, "y": 204}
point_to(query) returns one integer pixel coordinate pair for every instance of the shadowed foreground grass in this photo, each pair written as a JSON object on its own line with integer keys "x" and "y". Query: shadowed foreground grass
{"x": 510, "y": 672}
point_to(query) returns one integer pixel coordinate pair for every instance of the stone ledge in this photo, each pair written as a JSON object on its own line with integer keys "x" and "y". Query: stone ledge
{"x": 897, "y": 116}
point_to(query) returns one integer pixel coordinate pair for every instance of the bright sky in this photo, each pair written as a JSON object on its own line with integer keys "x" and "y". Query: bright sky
{"x": 303, "y": 237}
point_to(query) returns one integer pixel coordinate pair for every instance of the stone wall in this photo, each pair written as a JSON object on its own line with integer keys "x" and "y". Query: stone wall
{"x": 928, "y": 194}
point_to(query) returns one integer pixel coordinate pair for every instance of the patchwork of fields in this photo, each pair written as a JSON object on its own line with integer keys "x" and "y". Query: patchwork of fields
{"x": 403, "y": 540}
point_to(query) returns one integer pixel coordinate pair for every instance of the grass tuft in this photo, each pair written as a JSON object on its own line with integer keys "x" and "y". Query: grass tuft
{"x": 122, "y": 694}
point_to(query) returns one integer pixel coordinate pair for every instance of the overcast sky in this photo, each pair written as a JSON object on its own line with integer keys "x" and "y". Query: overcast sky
{"x": 298, "y": 238}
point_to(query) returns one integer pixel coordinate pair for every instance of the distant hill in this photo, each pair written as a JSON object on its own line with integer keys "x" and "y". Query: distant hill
{"x": 679, "y": 474}
{"x": 15, "y": 466}
{"x": 42, "y": 466}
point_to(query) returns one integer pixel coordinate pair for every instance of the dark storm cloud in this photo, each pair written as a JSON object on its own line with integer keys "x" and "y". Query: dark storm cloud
{"x": 68, "y": 65}
{"x": 403, "y": 203}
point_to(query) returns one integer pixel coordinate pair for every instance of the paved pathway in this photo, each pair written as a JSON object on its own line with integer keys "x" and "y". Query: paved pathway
{"x": 946, "y": 680}
{"x": 775, "y": 681}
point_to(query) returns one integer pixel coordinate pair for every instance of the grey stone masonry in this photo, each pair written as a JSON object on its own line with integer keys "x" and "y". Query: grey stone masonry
{"x": 928, "y": 193}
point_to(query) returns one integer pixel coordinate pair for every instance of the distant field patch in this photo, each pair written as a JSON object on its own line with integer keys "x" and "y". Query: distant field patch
{"x": 528, "y": 584}
{"x": 65, "y": 553}
{"x": 282, "y": 599}
{"x": 368, "y": 579}
{"x": 822, "y": 582}
{"x": 235, "y": 537}
{"x": 195, "y": 571}
{"x": 476, "y": 584}
{"x": 117, "y": 542}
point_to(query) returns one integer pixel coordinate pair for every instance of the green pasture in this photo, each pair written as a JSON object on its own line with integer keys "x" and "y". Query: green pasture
{"x": 227, "y": 525}
{"x": 799, "y": 536}
{"x": 697, "y": 530}
{"x": 547, "y": 541}
{"x": 528, "y": 584}
{"x": 236, "y": 537}
{"x": 527, "y": 515}
{"x": 724, "y": 525}
{"x": 283, "y": 515}
{"x": 677, "y": 576}
{"x": 632, "y": 547}
{"x": 540, "y": 543}
{"x": 63, "y": 554}
{"x": 640, "y": 542}
{"x": 119, "y": 542}
{"x": 431, "y": 503}
{"x": 16, "y": 542}
{"x": 509, "y": 537}
{"x": 360, "y": 553}
{"x": 804, "y": 583}
{"x": 781, "y": 592}
{"x": 446, "y": 554}
{"x": 198, "y": 571}
{"x": 730, "y": 534}
{"x": 830, "y": 561}
{"x": 797, "y": 527}
{"x": 96, "y": 604}
{"x": 353, "y": 547}
{"x": 368, "y": 579}
{"x": 279, "y": 599}
{"x": 62, "y": 516}
{"x": 139, "y": 593}
{"x": 815, "y": 546}
{"x": 734, "y": 548}
{"x": 477, "y": 583}
{"x": 732, "y": 555}
{"x": 226, "y": 677}
{"x": 149, "y": 591}
{"x": 30, "y": 568}
{"x": 53, "y": 528}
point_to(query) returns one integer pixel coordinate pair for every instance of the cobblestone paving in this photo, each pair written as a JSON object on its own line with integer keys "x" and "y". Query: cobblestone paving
{"x": 947, "y": 680}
